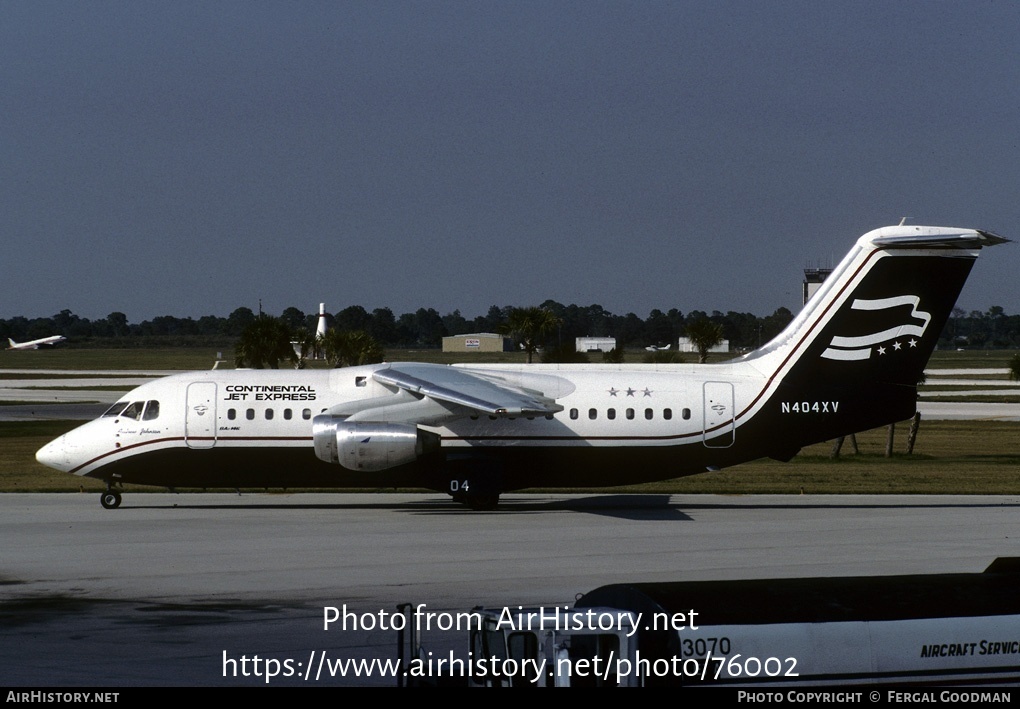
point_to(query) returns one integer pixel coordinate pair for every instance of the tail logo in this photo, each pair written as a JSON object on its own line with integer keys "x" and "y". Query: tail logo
{"x": 860, "y": 347}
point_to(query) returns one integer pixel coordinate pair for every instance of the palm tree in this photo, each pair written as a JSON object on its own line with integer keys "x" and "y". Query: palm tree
{"x": 349, "y": 348}
{"x": 264, "y": 342}
{"x": 530, "y": 327}
{"x": 1014, "y": 367}
{"x": 704, "y": 335}
{"x": 306, "y": 344}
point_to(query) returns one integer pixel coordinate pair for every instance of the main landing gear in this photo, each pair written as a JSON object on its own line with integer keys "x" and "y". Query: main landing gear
{"x": 480, "y": 501}
{"x": 475, "y": 484}
{"x": 110, "y": 499}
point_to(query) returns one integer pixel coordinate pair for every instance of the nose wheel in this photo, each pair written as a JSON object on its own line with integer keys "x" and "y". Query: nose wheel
{"x": 110, "y": 499}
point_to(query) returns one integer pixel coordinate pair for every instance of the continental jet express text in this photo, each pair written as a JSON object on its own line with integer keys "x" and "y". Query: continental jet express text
{"x": 264, "y": 392}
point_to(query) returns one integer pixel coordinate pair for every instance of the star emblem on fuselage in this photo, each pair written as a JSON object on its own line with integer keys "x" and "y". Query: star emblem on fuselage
{"x": 630, "y": 391}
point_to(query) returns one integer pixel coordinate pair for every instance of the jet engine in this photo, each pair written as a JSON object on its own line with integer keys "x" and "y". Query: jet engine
{"x": 370, "y": 446}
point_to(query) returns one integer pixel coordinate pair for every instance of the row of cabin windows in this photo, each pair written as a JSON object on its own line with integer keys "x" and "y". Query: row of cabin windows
{"x": 149, "y": 410}
{"x": 629, "y": 414}
{"x": 288, "y": 414}
{"x": 593, "y": 414}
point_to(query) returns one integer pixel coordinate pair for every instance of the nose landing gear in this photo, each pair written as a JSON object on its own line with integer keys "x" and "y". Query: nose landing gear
{"x": 110, "y": 499}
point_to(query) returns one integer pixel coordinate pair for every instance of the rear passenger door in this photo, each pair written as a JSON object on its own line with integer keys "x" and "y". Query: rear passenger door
{"x": 718, "y": 412}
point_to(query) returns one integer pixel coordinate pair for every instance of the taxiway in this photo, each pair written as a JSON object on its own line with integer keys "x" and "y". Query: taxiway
{"x": 160, "y": 591}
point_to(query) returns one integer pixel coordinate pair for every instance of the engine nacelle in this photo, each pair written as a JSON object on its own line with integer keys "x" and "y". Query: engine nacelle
{"x": 370, "y": 446}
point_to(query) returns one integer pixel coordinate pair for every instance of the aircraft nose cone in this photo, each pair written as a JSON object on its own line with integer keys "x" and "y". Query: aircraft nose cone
{"x": 54, "y": 455}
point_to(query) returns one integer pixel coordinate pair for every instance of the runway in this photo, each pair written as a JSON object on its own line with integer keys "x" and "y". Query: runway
{"x": 156, "y": 592}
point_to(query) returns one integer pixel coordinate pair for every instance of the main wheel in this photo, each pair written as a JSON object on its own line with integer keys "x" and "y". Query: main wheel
{"x": 475, "y": 481}
{"x": 110, "y": 500}
{"x": 482, "y": 503}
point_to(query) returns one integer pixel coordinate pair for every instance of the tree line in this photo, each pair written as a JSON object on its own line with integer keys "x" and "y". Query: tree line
{"x": 425, "y": 327}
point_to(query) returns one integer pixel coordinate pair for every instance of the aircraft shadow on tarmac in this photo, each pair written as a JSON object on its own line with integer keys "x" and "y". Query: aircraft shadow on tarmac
{"x": 657, "y": 507}
{"x": 635, "y": 507}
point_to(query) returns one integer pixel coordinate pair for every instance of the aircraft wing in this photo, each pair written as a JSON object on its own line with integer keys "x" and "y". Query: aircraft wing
{"x": 483, "y": 392}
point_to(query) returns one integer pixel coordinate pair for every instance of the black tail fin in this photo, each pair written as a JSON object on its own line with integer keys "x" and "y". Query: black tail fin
{"x": 855, "y": 354}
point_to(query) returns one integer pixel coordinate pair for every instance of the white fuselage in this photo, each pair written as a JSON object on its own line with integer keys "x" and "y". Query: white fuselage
{"x": 603, "y": 406}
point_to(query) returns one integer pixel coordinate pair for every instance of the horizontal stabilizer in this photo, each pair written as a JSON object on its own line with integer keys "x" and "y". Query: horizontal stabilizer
{"x": 965, "y": 239}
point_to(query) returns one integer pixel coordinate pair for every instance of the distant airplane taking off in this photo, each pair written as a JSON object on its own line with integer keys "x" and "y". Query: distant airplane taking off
{"x": 849, "y": 362}
{"x": 36, "y": 344}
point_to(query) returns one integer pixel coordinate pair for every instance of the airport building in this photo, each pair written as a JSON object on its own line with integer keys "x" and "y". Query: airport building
{"x": 595, "y": 344}
{"x": 813, "y": 280}
{"x": 477, "y": 342}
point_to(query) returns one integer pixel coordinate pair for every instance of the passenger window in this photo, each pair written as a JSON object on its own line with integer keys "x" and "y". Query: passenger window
{"x": 573, "y": 413}
{"x": 649, "y": 414}
{"x": 611, "y": 414}
{"x": 667, "y": 414}
{"x": 151, "y": 410}
{"x": 593, "y": 414}
{"x": 288, "y": 414}
{"x": 231, "y": 414}
{"x": 250, "y": 414}
{"x": 269, "y": 414}
{"x": 630, "y": 414}
{"x": 306, "y": 414}
{"x": 686, "y": 414}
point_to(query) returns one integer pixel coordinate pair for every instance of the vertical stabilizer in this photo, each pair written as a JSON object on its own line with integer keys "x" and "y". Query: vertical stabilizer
{"x": 856, "y": 352}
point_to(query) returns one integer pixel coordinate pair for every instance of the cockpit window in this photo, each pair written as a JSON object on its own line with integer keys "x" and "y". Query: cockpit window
{"x": 115, "y": 409}
{"x": 133, "y": 411}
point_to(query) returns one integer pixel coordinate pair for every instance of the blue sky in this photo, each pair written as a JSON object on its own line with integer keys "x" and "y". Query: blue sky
{"x": 188, "y": 158}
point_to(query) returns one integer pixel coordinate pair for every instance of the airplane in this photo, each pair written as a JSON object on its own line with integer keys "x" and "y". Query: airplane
{"x": 654, "y": 348}
{"x": 35, "y": 344}
{"x": 848, "y": 362}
